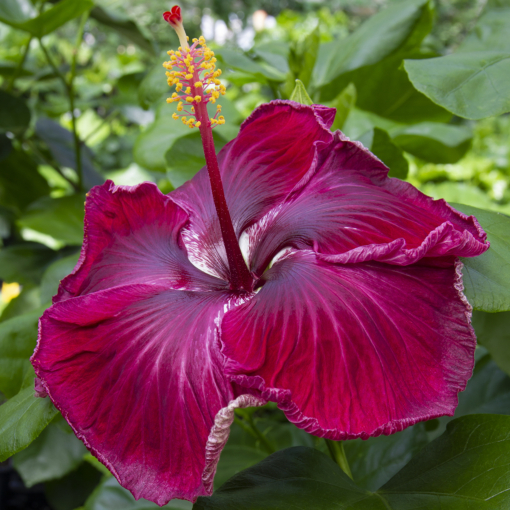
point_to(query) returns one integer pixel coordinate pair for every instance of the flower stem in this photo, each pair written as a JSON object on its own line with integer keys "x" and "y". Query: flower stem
{"x": 337, "y": 452}
{"x": 248, "y": 425}
{"x": 240, "y": 276}
{"x": 19, "y": 67}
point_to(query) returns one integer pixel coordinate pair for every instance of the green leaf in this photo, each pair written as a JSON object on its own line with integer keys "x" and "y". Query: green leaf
{"x": 240, "y": 62}
{"x": 377, "y": 38}
{"x": 300, "y": 95}
{"x": 487, "y": 277}
{"x": 56, "y": 452}
{"x": 54, "y": 274}
{"x": 308, "y": 55}
{"x": 343, "y": 103}
{"x": 123, "y": 25}
{"x": 73, "y": 489}
{"x": 111, "y": 496}
{"x": 235, "y": 458}
{"x": 380, "y": 143}
{"x": 60, "y": 218}
{"x": 374, "y": 461}
{"x": 154, "y": 85}
{"x": 14, "y": 114}
{"x": 16, "y": 11}
{"x": 25, "y": 263}
{"x": 488, "y": 390}
{"x": 22, "y": 419}
{"x": 276, "y": 55}
{"x": 186, "y": 157}
{"x": 60, "y": 141}
{"x": 466, "y": 468}
{"x": 473, "y": 82}
{"x": 27, "y": 301}
{"x": 50, "y": 19}
{"x": 493, "y": 332}
{"x": 20, "y": 182}
{"x": 152, "y": 144}
{"x": 18, "y": 337}
{"x": 434, "y": 142}
{"x": 471, "y": 85}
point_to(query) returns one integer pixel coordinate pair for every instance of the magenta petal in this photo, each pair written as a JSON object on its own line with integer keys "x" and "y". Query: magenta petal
{"x": 132, "y": 236}
{"x": 273, "y": 152}
{"x": 137, "y": 372}
{"x": 349, "y": 202}
{"x": 353, "y": 350}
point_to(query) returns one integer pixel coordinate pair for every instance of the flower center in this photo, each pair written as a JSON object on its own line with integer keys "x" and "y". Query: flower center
{"x": 193, "y": 71}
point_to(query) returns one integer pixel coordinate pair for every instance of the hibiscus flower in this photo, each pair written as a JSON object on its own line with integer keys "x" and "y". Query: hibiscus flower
{"x": 349, "y": 312}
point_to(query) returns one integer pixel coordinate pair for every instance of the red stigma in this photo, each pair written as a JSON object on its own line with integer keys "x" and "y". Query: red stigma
{"x": 173, "y": 16}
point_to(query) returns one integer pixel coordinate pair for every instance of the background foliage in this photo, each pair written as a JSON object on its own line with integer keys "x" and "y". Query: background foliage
{"x": 424, "y": 85}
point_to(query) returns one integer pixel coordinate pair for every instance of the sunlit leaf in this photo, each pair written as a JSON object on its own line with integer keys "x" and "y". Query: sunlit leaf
{"x": 487, "y": 277}
{"x": 300, "y": 95}
{"x": 22, "y": 419}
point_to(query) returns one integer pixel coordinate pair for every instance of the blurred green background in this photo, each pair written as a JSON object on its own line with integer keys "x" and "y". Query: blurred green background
{"x": 82, "y": 99}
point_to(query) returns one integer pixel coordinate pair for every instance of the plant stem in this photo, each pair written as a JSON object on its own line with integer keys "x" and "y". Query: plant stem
{"x": 337, "y": 452}
{"x": 77, "y": 143}
{"x": 19, "y": 67}
{"x": 240, "y": 276}
{"x": 248, "y": 425}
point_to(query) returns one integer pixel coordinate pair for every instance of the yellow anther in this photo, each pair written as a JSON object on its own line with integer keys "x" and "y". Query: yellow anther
{"x": 192, "y": 109}
{"x": 183, "y": 120}
{"x": 198, "y": 84}
{"x": 175, "y": 116}
{"x": 179, "y": 106}
{"x": 221, "y": 117}
{"x": 213, "y": 121}
{"x": 171, "y": 52}
{"x": 218, "y": 72}
{"x": 178, "y": 87}
{"x": 216, "y": 81}
{"x": 188, "y": 90}
{"x": 173, "y": 57}
{"x": 189, "y": 76}
{"x": 189, "y": 99}
{"x": 198, "y": 124}
{"x": 212, "y": 100}
{"x": 195, "y": 40}
{"x": 175, "y": 94}
{"x": 198, "y": 99}
{"x": 218, "y": 107}
{"x": 169, "y": 100}
{"x": 187, "y": 38}
{"x": 215, "y": 94}
{"x": 191, "y": 69}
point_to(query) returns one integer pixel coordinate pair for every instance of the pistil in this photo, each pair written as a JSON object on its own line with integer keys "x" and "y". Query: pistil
{"x": 196, "y": 75}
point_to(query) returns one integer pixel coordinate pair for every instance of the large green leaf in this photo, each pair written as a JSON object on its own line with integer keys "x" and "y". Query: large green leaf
{"x": 73, "y": 490}
{"x": 487, "y": 277}
{"x": 111, "y": 496}
{"x": 54, "y": 274}
{"x": 240, "y": 62}
{"x": 343, "y": 103}
{"x": 18, "y": 337}
{"x": 493, "y": 332}
{"x": 50, "y": 19}
{"x": 381, "y": 35}
{"x": 60, "y": 218}
{"x": 465, "y": 468}
{"x": 123, "y": 25}
{"x": 16, "y": 11}
{"x": 22, "y": 419}
{"x": 380, "y": 143}
{"x": 374, "y": 461}
{"x": 14, "y": 114}
{"x": 473, "y": 82}
{"x": 152, "y": 144}
{"x": 25, "y": 263}
{"x": 20, "y": 182}
{"x": 434, "y": 142}
{"x": 186, "y": 157}
{"x": 471, "y": 85}
{"x": 154, "y": 85}
{"x": 60, "y": 141}
{"x": 56, "y": 452}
